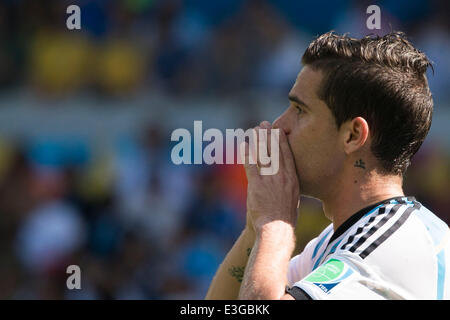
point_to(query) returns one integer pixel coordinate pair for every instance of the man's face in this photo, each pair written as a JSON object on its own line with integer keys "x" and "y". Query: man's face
{"x": 313, "y": 135}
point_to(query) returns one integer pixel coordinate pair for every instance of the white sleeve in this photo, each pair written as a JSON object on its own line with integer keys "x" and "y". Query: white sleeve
{"x": 343, "y": 277}
{"x": 301, "y": 265}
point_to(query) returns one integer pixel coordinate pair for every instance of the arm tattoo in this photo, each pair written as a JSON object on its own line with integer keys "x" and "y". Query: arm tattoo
{"x": 360, "y": 164}
{"x": 237, "y": 272}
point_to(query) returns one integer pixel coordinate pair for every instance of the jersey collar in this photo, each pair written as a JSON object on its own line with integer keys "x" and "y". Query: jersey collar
{"x": 358, "y": 215}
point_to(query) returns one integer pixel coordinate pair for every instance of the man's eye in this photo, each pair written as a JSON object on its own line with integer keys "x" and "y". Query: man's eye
{"x": 299, "y": 110}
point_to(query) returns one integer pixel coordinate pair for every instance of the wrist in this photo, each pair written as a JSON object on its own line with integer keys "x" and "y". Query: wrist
{"x": 277, "y": 231}
{"x": 275, "y": 226}
{"x": 249, "y": 233}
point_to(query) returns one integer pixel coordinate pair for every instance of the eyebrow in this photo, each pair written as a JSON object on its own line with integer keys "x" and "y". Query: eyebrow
{"x": 294, "y": 98}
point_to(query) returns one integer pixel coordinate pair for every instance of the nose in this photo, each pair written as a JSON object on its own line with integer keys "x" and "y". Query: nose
{"x": 282, "y": 122}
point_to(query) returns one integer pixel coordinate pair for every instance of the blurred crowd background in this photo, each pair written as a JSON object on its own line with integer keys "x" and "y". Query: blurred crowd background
{"x": 86, "y": 117}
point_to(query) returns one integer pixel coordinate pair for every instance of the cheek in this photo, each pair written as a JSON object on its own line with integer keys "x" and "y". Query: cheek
{"x": 298, "y": 142}
{"x": 313, "y": 148}
{"x": 313, "y": 141}
{"x": 327, "y": 154}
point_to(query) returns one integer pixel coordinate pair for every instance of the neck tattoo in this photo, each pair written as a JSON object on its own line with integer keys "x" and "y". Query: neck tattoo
{"x": 360, "y": 164}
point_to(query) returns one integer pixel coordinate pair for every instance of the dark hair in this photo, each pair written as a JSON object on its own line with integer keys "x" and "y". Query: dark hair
{"x": 381, "y": 79}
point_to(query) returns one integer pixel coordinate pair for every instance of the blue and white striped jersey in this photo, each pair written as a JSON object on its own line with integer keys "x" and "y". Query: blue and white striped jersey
{"x": 395, "y": 249}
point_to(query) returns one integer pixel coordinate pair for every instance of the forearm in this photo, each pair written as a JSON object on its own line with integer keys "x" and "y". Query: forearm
{"x": 266, "y": 273}
{"x": 228, "y": 278}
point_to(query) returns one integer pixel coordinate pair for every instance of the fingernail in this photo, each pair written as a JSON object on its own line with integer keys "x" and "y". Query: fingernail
{"x": 265, "y": 124}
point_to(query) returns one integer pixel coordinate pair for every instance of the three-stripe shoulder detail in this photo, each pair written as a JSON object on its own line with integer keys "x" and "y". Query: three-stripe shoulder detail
{"x": 359, "y": 238}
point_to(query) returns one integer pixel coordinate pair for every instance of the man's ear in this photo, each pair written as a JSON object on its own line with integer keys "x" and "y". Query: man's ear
{"x": 355, "y": 133}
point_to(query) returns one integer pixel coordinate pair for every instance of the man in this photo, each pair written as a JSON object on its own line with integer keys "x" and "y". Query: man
{"x": 359, "y": 110}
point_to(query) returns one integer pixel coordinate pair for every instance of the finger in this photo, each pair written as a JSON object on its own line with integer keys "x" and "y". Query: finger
{"x": 250, "y": 167}
{"x": 248, "y": 152}
{"x": 286, "y": 156}
{"x": 263, "y": 154}
{"x": 256, "y": 144}
{"x": 266, "y": 125}
{"x": 253, "y": 148}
